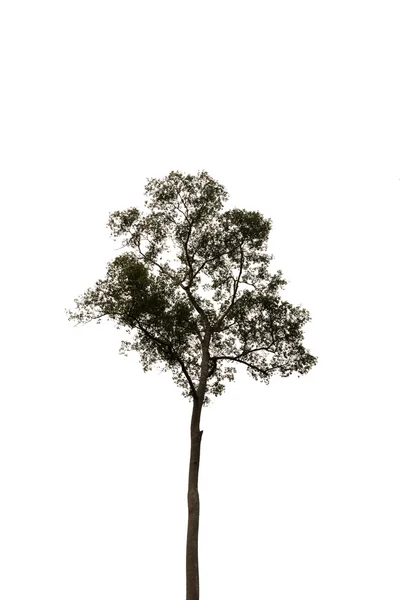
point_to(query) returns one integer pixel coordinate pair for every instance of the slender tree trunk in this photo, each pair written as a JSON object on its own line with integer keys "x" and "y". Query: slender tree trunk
{"x": 192, "y": 552}
{"x": 192, "y": 555}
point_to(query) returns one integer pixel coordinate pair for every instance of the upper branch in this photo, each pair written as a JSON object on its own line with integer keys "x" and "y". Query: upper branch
{"x": 237, "y": 359}
{"x": 186, "y": 208}
{"x": 185, "y": 245}
{"x": 267, "y": 348}
{"x": 196, "y": 305}
{"x": 186, "y": 288}
{"x": 235, "y": 288}
{"x": 156, "y": 264}
{"x": 208, "y": 260}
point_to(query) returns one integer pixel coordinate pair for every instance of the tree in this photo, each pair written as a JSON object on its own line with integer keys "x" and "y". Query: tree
{"x": 194, "y": 292}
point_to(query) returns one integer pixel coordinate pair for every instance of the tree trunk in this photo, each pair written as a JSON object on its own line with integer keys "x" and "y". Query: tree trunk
{"x": 192, "y": 556}
{"x": 192, "y": 552}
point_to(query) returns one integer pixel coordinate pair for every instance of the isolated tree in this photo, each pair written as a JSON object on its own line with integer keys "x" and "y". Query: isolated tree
{"x": 194, "y": 293}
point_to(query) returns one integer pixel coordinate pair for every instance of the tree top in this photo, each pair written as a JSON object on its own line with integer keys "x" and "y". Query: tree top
{"x": 194, "y": 285}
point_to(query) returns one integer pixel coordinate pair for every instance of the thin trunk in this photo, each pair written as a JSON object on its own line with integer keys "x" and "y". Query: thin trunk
{"x": 192, "y": 556}
{"x": 192, "y": 552}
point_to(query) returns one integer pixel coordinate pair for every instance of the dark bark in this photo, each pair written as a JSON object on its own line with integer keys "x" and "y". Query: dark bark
{"x": 192, "y": 552}
{"x": 192, "y": 555}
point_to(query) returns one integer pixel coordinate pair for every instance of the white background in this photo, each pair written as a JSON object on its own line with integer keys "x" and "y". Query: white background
{"x": 294, "y": 107}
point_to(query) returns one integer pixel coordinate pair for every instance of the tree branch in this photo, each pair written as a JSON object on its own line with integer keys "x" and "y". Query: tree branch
{"x": 213, "y": 367}
{"x": 186, "y": 208}
{"x": 235, "y": 287}
{"x": 194, "y": 302}
{"x": 87, "y": 321}
{"x": 186, "y": 289}
{"x": 198, "y": 333}
{"x": 156, "y": 264}
{"x": 173, "y": 353}
{"x": 208, "y": 260}
{"x": 220, "y": 330}
{"x": 256, "y": 349}
{"x": 236, "y": 359}
{"x": 185, "y": 245}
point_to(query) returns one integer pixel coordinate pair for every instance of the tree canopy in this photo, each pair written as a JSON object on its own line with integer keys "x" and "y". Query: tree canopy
{"x": 196, "y": 277}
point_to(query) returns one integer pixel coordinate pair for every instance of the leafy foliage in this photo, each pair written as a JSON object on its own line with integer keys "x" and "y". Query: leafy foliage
{"x": 193, "y": 288}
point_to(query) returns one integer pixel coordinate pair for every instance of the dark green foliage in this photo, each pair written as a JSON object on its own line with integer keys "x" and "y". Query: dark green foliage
{"x": 190, "y": 267}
